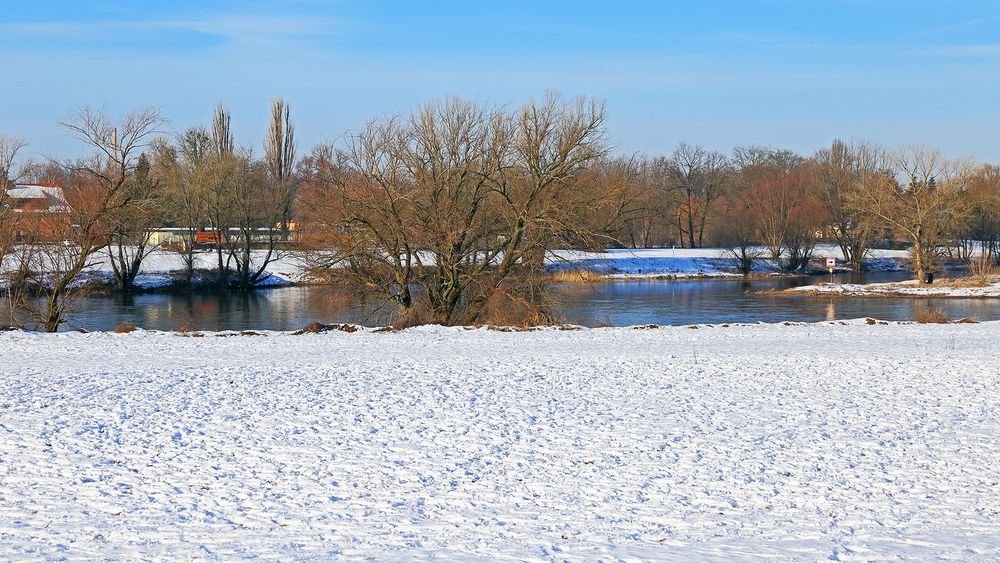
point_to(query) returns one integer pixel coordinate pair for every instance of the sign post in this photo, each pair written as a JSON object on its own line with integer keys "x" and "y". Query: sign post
{"x": 831, "y": 263}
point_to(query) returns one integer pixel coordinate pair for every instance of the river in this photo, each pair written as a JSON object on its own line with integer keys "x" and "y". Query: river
{"x": 611, "y": 303}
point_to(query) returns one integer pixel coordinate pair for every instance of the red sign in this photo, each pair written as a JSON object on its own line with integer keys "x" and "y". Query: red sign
{"x": 831, "y": 262}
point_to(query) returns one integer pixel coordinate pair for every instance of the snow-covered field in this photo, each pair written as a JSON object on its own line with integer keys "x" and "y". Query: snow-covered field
{"x": 910, "y": 288}
{"x": 833, "y": 440}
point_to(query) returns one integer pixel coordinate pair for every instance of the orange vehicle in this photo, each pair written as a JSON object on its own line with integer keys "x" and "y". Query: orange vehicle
{"x": 207, "y": 237}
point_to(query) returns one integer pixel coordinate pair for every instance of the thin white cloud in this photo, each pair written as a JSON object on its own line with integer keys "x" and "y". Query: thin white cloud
{"x": 960, "y": 25}
{"x": 234, "y": 27}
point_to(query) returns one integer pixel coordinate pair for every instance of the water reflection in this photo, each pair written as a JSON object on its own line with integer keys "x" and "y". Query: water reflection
{"x": 618, "y": 303}
{"x": 613, "y": 303}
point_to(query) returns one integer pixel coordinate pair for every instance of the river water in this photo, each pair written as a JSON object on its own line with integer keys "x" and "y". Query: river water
{"x": 611, "y": 303}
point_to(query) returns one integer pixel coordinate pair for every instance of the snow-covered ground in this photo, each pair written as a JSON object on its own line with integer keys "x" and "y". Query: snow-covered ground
{"x": 159, "y": 267}
{"x": 162, "y": 268}
{"x": 832, "y": 440}
{"x": 910, "y": 288}
{"x": 697, "y": 262}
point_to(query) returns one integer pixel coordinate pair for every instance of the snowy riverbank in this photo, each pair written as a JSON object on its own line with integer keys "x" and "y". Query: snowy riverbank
{"x": 683, "y": 263}
{"x": 961, "y": 288}
{"x": 162, "y": 269}
{"x": 839, "y": 440}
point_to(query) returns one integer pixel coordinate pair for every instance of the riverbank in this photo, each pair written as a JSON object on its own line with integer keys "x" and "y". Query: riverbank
{"x": 958, "y": 288}
{"x": 812, "y": 441}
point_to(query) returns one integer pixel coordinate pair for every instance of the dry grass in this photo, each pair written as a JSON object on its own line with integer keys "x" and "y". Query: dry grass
{"x": 975, "y": 280}
{"x": 416, "y": 315}
{"x": 576, "y": 276}
{"x": 932, "y": 316}
{"x": 316, "y": 328}
{"x": 125, "y": 327}
{"x": 505, "y": 309}
{"x": 185, "y": 325}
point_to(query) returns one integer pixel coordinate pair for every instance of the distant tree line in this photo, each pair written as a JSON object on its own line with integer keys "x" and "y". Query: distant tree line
{"x": 450, "y": 212}
{"x": 765, "y": 202}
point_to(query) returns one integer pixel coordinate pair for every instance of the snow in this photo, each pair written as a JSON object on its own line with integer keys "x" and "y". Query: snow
{"x": 832, "y": 440}
{"x": 161, "y": 269}
{"x": 911, "y": 288}
{"x": 695, "y": 263}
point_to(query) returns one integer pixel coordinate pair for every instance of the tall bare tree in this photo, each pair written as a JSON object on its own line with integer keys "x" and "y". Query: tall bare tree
{"x": 845, "y": 169}
{"x": 279, "y": 152}
{"x": 698, "y": 177}
{"x": 222, "y": 134}
{"x": 216, "y": 196}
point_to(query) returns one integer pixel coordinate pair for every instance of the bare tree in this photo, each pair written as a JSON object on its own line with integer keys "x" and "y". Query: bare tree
{"x": 781, "y": 187}
{"x": 219, "y": 180}
{"x": 462, "y": 201}
{"x": 181, "y": 172}
{"x": 844, "y": 170}
{"x": 9, "y": 149}
{"x": 977, "y": 237}
{"x": 920, "y": 201}
{"x": 254, "y": 208}
{"x": 739, "y": 232}
{"x": 101, "y": 191}
{"x": 279, "y": 152}
{"x": 131, "y": 228}
{"x": 698, "y": 178}
{"x": 222, "y": 134}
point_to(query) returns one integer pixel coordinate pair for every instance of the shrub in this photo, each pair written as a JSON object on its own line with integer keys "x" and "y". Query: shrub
{"x": 575, "y": 276}
{"x": 316, "y": 328}
{"x": 982, "y": 269}
{"x": 125, "y": 327}
{"x": 931, "y": 317}
{"x": 505, "y": 308}
{"x": 311, "y": 328}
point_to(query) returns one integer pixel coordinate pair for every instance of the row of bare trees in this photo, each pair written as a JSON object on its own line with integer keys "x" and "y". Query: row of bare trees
{"x": 764, "y": 202}
{"x": 245, "y": 202}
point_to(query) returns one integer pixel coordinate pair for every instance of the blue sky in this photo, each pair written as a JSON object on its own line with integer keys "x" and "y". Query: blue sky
{"x": 789, "y": 73}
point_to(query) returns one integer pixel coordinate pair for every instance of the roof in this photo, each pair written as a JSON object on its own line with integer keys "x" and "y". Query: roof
{"x": 52, "y": 193}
